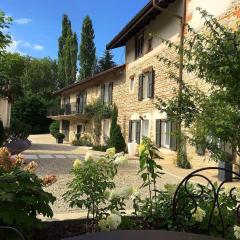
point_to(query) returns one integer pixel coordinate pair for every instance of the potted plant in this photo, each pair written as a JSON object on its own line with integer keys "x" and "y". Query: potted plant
{"x": 60, "y": 137}
{"x": 226, "y": 163}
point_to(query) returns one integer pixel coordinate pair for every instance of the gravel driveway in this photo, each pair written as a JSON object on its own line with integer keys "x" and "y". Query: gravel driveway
{"x": 127, "y": 176}
{"x": 44, "y": 145}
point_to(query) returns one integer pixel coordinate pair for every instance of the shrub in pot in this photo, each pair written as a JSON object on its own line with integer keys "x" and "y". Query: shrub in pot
{"x": 60, "y": 137}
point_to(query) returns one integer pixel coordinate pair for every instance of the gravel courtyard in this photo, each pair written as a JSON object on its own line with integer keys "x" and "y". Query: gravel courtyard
{"x": 44, "y": 146}
{"x": 127, "y": 176}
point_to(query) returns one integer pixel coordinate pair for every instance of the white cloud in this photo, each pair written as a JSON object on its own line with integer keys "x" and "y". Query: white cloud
{"x": 38, "y": 47}
{"x": 22, "y": 21}
{"x": 15, "y": 46}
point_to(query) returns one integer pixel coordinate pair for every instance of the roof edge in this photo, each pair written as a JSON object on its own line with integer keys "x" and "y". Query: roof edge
{"x": 89, "y": 79}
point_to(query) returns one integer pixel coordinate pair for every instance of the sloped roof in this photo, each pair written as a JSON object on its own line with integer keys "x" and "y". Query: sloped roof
{"x": 91, "y": 81}
{"x": 143, "y": 18}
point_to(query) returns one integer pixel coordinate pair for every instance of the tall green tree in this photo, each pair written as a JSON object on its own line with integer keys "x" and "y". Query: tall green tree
{"x": 5, "y": 38}
{"x": 39, "y": 77}
{"x": 106, "y": 61}
{"x": 87, "y": 54}
{"x": 67, "y": 54}
{"x": 12, "y": 66}
{"x": 116, "y": 138}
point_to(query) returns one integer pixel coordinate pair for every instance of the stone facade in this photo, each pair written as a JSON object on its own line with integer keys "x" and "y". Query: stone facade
{"x": 93, "y": 93}
{"x": 126, "y": 85}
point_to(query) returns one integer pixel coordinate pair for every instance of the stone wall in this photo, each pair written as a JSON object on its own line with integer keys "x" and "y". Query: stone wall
{"x": 5, "y": 112}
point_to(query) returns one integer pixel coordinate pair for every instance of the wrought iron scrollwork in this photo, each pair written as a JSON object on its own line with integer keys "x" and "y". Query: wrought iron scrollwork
{"x": 20, "y": 235}
{"x": 186, "y": 199}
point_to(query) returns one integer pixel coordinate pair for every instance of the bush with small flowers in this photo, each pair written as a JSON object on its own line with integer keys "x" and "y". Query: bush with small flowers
{"x": 92, "y": 188}
{"x": 22, "y": 197}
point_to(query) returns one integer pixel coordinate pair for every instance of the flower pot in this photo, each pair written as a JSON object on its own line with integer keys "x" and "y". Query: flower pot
{"x": 225, "y": 175}
{"x": 60, "y": 140}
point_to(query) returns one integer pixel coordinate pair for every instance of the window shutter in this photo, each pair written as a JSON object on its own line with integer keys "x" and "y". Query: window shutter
{"x": 84, "y": 101}
{"x": 138, "y": 131}
{"x": 158, "y": 133}
{"x": 102, "y": 92}
{"x": 140, "y": 87}
{"x": 130, "y": 131}
{"x": 110, "y": 93}
{"x": 173, "y": 141}
{"x": 151, "y": 84}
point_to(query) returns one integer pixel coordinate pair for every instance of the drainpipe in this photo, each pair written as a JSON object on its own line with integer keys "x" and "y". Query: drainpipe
{"x": 181, "y": 55}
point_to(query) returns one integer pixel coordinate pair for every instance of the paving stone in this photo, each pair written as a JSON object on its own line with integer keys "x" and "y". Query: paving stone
{"x": 60, "y": 156}
{"x": 30, "y": 156}
{"x": 45, "y": 156}
{"x": 72, "y": 156}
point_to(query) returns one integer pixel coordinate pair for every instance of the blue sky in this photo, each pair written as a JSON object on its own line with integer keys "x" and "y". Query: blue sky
{"x": 37, "y": 24}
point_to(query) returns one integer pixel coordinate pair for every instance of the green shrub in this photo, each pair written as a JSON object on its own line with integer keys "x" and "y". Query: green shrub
{"x": 116, "y": 138}
{"x": 100, "y": 148}
{"x": 60, "y": 135}
{"x": 85, "y": 140}
{"x": 54, "y": 128}
{"x": 92, "y": 188}
{"x": 2, "y": 134}
{"x": 22, "y": 197}
{"x": 18, "y": 130}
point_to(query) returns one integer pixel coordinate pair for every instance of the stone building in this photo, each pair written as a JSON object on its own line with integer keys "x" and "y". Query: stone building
{"x": 74, "y": 98}
{"x": 137, "y": 84}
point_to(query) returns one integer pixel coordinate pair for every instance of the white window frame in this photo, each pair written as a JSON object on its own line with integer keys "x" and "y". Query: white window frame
{"x": 143, "y": 134}
{"x": 166, "y": 134}
{"x": 132, "y": 85}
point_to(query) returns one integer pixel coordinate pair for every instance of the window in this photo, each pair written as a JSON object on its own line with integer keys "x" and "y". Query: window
{"x": 132, "y": 84}
{"x": 145, "y": 128}
{"x": 106, "y": 93}
{"x": 135, "y": 131}
{"x": 150, "y": 47}
{"x": 166, "y": 134}
{"x": 79, "y": 129}
{"x": 81, "y": 102}
{"x": 146, "y": 85}
{"x": 138, "y": 129}
{"x": 106, "y": 128}
{"x": 139, "y": 44}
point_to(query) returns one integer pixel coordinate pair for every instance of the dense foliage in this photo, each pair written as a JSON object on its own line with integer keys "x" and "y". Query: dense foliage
{"x": 5, "y": 38}
{"x": 54, "y": 128}
{"x": 116, "y": 139}
{"x": 32, "y": 110}
{"x": 87, "y": 54}
{"x": 207, "y": 56}
{"x": 97, "y": 111}
{"x": 67, "y": 54}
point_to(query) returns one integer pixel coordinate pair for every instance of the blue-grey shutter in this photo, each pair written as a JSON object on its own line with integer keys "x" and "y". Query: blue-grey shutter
{"x": 138, "y": 131}
{"x": 130, "y": 131}
{"x": 158, "y": 133}
{"x": 110, "y": 93}
{"x": 140, "y": 87}
{"x": 173, "y": 140}
{"x": 150, "y": 91}
{"x": 84, "y": 101}
{"x": 102, "y": 92}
